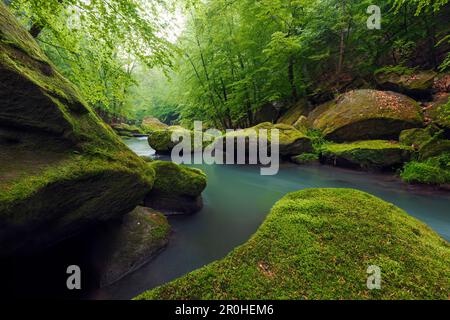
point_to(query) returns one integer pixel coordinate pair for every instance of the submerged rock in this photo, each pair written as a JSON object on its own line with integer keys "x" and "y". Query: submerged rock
{"x": 128, "y": 244}
{"x": 375, "y": 154}
{"x": 366, "y": 115}
{"x": 177, "y": 189}
{"x": 417, "y": 84}
{"x": 319, "y": 244}
{"x": 61, "y": 168}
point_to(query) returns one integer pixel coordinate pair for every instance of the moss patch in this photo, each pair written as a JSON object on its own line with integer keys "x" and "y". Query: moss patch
{"x": 318, "y": 244}
{"x": 305, "y": 158}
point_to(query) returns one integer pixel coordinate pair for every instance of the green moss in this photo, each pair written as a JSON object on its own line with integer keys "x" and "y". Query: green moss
{"x": 434, "y": 147}
{"x": 405, "y": 79}
{"x": 305, "y": 158}
{"x": 417, "y": 137}
{"x": 367, "y": 154}
{"x": 398, "y": 69}
{"x": 150, "y": 124}
{"x": 127, "y": 130}
{"x": 318, "y": 244}
{"x": 173, "y": 179}
{"x": 425, "y": 173}
{"x": 365, "y": 115}
{"x": 294, "y": 113}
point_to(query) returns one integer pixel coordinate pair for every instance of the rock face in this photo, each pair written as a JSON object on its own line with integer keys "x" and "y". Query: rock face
{"x": 417, "y": 84}
{"x": 367, "y": 154}
{"x": 310, "y": 232}
{"x": 130, "y": 243}
{"x": 291, "y": 141}
{"x": 416, "y": 137}
{"x": 150, "y": 124}
{"x": 177, "y": 189}
{"x": 61, "y": 168}
{"x": 366, "y": 115}
{"x": 292, "y": 115}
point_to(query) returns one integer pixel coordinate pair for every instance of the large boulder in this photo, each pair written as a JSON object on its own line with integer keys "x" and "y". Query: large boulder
{"x": 177, "y": 189}
{"x": 375, "y": 154}
{"x": 291, "y": 141}
{"x": 366, "y": 115}
{"x": 126, "y": 244}
{"x": 417, "y": 84}
{"x": 150, "y": 124}
{"x": 161, "y": 139}
{"x": 61, "y": 168}
{"x": 320, "y": 244}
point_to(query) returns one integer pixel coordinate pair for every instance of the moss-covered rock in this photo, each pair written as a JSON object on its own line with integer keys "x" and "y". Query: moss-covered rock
{"x": 129, "y": 243}
{"x": 177, "y": 188}
{"x": 291, "y": 141}
{"x": 150, "y": 124}
{"x": 61, "y": 168}
{"x": 161, "y": 140}
{"x": 127, "y": 130}
{"x": 417, "y": 84}
{"x": 318, "y": 244}
{"x": 366, "y": 115}
{"x": 373, "y": 154}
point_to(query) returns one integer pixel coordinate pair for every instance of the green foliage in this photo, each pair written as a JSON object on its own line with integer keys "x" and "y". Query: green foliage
{"x": 318, "y": 244}
{"x": 426, "y": 172}
{"x": 97, "y": 44}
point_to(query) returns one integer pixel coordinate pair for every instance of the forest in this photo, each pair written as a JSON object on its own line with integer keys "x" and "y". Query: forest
{"x": 93, "y": 92}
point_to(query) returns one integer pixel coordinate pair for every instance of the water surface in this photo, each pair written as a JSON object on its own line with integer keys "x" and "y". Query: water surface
{"x": 236, "y": 202}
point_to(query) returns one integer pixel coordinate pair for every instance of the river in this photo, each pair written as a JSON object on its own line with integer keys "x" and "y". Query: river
{"x": 238, "y": 199}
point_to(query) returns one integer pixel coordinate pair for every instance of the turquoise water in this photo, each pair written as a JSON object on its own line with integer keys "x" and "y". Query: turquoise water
{"x": 236, "y": 202}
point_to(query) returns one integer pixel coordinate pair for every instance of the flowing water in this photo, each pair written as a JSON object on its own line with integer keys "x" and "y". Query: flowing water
{"x": 236, "y": 202}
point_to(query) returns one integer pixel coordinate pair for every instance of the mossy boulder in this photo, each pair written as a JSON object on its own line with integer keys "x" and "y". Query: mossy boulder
{"x": 366, "y": 115}
{"x": 177, "y": 188}
{"x": 127, "y": 244}
{"x": 318, "y": 244}
{"x": 414, "y": 83}
{"x": 291, "y": 141}
{"x": 127, "y": 130}
{"x": 161, "y": 139}
{"x": 61, "y": 168}
{"x": 150, "y": 124}
{"x": 373, "y": 154}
